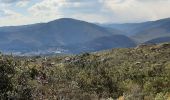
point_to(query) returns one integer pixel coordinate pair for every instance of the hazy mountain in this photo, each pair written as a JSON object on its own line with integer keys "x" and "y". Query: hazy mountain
{"x": 127, "y": 29}
{"x": 142, "y": 32}
{"x": 103, "y": 43}
{"x": 63, "y": 33}
{"x": 158, "y": 40}
{"x": 157, "y": 29}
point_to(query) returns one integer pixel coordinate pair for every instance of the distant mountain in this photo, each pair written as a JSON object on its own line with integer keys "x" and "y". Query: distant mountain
{"x": 157, "y": 29}
{"x": 142, "y": 32}
{"x": 158, "y": 40}
{"x": 127, "y": 29}
{"x": 63, "y": 34}
{"x": 103, "y": 43}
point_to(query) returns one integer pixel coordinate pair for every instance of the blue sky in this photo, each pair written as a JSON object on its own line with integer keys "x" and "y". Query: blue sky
{"x": 19, "y": 12}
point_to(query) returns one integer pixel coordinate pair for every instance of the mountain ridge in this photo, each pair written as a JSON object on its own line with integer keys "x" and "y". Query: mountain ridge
{"x": 57, "y": 34}
{"x": 145, "y": 31}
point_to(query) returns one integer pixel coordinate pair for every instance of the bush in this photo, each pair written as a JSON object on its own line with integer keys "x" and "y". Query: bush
{"x": 7, "y": 72}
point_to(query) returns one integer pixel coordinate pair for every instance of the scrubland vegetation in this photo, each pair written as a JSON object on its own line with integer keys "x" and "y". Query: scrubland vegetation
{"x": 141, "y": 73}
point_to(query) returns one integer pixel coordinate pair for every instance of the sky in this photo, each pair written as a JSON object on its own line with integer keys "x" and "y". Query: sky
{"x": 21, "y": 12}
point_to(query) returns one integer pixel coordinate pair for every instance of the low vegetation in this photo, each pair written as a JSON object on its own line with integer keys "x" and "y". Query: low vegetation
{"x": 141, "y": 73}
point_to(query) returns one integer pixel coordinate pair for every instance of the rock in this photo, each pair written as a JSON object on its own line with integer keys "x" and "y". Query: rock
{"x": 141, "y": 46}
{"x": 53, "y": 63}
{"x": 137, "y": 63}
{"x": 67, "y": 59}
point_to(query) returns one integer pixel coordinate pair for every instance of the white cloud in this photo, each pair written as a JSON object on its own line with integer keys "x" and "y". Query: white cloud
{"x": 89, "y": 10}
{"x": 104, "y": 10}
{"x": 85, "y": 10}
{"x": 22, "y": 3}
{"x": 94, "y": 18}
{"x": 47, "y": 9}
{"x": 137, "y": 10}
{"x": 11, "y": 14}
{"x": 12, "y": 1}
{"x": 11, "y": 18}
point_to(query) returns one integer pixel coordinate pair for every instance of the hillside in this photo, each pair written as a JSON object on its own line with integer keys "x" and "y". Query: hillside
{"x": 62, "y": 36}
{"x": 56, "y": 35}
{"x": 103, "y": 43}
{"x": 145, "y": 31}
{"x": 128, "y": 29}
{"x": 158, "y": 40}
{"x": 140, "y": 73}
{"x": 157, "y": 29}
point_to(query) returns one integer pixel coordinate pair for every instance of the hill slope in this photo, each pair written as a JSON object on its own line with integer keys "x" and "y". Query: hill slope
{"x": 158, "y": 40}
{"x": 128, "y": 29}
{"x": 156, "y": 29}
{"x": 54, "y": 35}
{"x": 141, "y": 73}
{"x": 142, "y": 32}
